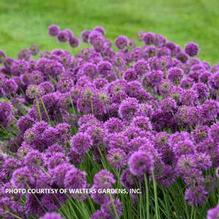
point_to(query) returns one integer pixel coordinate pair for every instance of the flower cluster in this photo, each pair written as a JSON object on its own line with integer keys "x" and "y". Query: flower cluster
{"x": 149, "y": 111}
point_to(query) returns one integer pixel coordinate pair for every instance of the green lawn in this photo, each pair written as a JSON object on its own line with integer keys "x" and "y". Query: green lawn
{"x": 24, "y": 22}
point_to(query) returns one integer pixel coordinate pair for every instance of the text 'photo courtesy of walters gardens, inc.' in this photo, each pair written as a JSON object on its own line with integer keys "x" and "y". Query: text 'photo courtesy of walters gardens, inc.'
{"x": 73, "y": 191}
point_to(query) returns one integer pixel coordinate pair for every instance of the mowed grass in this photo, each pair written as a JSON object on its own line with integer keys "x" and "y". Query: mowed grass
{"x": 24, "y": 22}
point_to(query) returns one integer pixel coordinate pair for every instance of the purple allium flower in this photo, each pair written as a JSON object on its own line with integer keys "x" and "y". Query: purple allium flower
{"x": 194, "y": 75}
{"x": 75, "y": 157}
{"x": 33, "y": 159}
{"x": 175, "y": 93}
{"x": 54, "y": 148}
{"x": 186, "y": 164}
{"x": 168, "y": 105}
{"x": 200, "y": 133}
{"x": 75, "y": 179}
{"x": 52, "y": 215}
{"x": 132, "y": 132}
{"x": 134, "y": 89}
{"x": 64, "y": 85}
{"x": 63, "y": 36}
{"x": 191, "y": 176}
{"x": 53, "y": 30}
{"x": 202, "y": 161}
{"x": 113, "y": 125}
{"x": 10, "y": 165}
{"x": 196, "y": 195}
{"x": 141, "y": 163}
{"x": 161, "y": 140}
{"x": 58, "y": 173}
{"x": 117, "y": 90}
{"x": 175, "y": 75}
{"x": 9, "y": 207}
{"x": 93, "y": 35}
{"x": 141, "y": 67}
{"x": 100, "y": 83}
{"x": 104, "y": 67}
{"x": 85, "y": 35}
{"x": 87, "y": 120}
{"x": 128, "y": 180}
{"x": 6, "y": 113}
{"x": 204, "y": 77}
{"x": 81, "y": 142}
{"x": 213, "y": 213}
{"x": 130, "y": 75}
{"x": 100, "y": 214}
{"x": 214, "y": 132}
{"x": 50, "y": 136}
{"x": 117, "y": 140}
{"x": 63, "y": 131}
{"x": 178, "y": 136}
{"x": 36, "y": 77}
{"x": 34, "y": 91}
{"x": 97, "y": 41}
{"x": 202, "y": 91}
{"x": 189, "y": 97}
{"x": 85, "y": 103}
{"x": 10, "y": 86}
{"x": 99, "y": 29}
{"x": 138, "y": 141}
{"x": 121, "y": 42}
{"x": 90, "y": 70}
{"x": 155, "y": 77}
{"x": 113, "y": 207}
{"x": 55, "y": 159}
{"x": 207, "y": 145}
{"x": 168, "y": 176}
{"x": 104, "y": 179}
{"x": 32, "y": 205}
{"x": 214, "y": 81}
{"x": 97, "y": 134}
{"x": 116, "y": 158}
{"x": 186, "y": 83}
{"x": 192, "y": 49}
{"x": 74, "y": 41}
{"x": 145, "y": 110}
{"x": 209, "y": 110}
{"x": 142, "y": 122}
{"x": 24, "y": 54}
{"x": 183, "y": 147}
{"x": 52, "y": 202}
{"x": 128, "y": 108}
{"x": 163, "y": 51}
{"x": 99, "y": 198}
{"x": 23, "y": 150}
{"x": 148, "y": 38}
{"x": 183, "y": 57}
{"x": 22, "y": 178}
{"x": 188, "y": 115}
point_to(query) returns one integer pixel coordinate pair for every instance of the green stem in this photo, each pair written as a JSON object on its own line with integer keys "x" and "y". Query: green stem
{"x": 38, "y": 109}
{"x": 14, "y": 215}
{"x": 45, "y": 110}
{"x": 114, "y": 207}
{"x": 155, "y": 196}
{"x": 147, "y": 197}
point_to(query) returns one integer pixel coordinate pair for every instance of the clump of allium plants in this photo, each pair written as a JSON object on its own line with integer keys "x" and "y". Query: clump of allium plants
{"x": 114, "y": 118}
